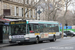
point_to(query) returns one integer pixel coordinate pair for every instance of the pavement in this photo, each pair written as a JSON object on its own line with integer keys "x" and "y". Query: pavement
{"x": 66, "y": 37}
{"x": 4, "y": 45}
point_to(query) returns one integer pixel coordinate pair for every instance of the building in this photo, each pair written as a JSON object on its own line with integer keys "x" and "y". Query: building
{"x": 24, "y": 9}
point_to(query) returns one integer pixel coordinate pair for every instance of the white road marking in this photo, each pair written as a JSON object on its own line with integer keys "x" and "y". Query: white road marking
{"x": 60, "y": 47}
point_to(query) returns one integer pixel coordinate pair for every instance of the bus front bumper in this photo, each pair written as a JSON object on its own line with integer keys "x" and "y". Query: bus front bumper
{"x": 20, "y": 40}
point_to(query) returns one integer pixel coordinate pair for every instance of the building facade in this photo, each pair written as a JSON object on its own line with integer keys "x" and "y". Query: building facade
{"x": 24, "y": 9}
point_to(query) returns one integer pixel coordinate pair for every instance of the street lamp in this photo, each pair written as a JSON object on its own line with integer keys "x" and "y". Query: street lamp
{"x": 36, "y": 13}
{"x": 39, "y": 13}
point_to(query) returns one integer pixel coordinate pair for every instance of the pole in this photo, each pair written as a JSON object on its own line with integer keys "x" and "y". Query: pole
{"x": 66, "y": 26}
{"x": 39, "y": 16}
{"x": 36, "y": 13}
{"x": 62, "y": 29}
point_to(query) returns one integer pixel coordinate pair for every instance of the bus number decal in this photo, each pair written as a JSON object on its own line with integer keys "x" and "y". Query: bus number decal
{"x": 37, "y": 33}
{"x": 52, "y": 33}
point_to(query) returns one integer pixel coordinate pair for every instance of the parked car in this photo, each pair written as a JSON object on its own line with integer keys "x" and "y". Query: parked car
{"x": 64, "y": 34}
{"x": 70, "y": 33}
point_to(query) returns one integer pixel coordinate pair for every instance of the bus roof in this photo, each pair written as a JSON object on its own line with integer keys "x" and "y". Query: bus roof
{"x": 42, "y": 22}
{"x": 3, "y": 20}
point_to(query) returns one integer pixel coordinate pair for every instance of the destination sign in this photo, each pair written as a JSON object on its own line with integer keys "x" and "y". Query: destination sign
{"x": 17, "y": 22}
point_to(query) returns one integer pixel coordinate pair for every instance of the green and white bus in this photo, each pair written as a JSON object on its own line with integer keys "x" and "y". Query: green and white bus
{"x": 18, "y": 31}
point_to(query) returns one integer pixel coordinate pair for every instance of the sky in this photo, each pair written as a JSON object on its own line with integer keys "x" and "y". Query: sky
{"x": 72, "y": 6}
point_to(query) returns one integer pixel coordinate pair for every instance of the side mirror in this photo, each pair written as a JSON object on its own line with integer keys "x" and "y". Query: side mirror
{"x": 31, "y": 31}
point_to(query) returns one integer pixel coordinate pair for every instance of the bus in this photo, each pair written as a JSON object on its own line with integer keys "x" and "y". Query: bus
{"x": 22, "y": 31}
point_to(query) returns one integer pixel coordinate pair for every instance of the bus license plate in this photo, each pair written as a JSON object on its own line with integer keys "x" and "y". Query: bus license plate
{"x": 18, "y": 41}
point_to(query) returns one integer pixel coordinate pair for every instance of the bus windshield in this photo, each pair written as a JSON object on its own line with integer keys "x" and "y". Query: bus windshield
{"x": 18, "y": 29}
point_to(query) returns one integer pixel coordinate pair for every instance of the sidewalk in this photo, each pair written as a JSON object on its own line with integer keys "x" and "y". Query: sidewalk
{"x": 67, "y": 37}
{"x": 3, "y": 45}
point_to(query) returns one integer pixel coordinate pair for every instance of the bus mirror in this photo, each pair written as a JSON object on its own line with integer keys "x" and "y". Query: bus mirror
{"x": 31, "y": 31}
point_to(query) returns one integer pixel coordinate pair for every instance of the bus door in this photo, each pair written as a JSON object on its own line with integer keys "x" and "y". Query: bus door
{"x": 5, "y": 34}
{"x": 1, "y": 34}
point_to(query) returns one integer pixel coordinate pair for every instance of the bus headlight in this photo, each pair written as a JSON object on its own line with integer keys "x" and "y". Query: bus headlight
{"x": 10, "y": 37}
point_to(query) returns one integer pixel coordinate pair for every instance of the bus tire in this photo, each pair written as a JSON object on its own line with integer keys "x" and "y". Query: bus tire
{"x": 53, "y": 40}
{"x": 37, "y": 40}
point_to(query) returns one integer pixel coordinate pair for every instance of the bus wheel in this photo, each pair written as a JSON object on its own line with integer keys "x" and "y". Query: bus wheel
{"x": 53, "y": 40}
{"x": 37, "y": 40}
{"x": 40, "y": 41}
{"x": 20, "y": 43}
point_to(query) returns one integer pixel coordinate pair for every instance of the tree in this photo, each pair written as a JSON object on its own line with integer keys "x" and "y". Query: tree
{"x": 51, "y": 7}
{"x": 66, "y": 5}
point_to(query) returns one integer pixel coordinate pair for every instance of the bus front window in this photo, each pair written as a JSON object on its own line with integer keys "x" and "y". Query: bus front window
{"x": 18, "y": 29}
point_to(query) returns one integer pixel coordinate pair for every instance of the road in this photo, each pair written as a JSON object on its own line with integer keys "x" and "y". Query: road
{"x": 60, "y": 44}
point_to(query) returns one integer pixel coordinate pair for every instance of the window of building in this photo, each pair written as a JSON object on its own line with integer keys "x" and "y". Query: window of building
{"x": 29, "y": 1}
{"x": 15, "y": 10}
{"x": 45, "y": 0}
{"x": 21, "y": 1}
{"x": 29, "y": 12}
{"x": 33, "y": 13}
{"x": 6, "y": 12}
{"x": 25, "y": 1}
{"x": 20, "y": 11}
{"x": 25, "y": 12}
{"x": 35, "y": 0}
{"x": 33, "y": 3}
{"x": 5, "y": 6}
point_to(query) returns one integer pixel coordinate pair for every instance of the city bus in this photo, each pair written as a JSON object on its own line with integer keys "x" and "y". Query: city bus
{"x": 22, "y": 31}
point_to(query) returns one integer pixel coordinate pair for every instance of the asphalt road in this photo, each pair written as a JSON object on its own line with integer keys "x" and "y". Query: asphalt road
{"x": 60, "y": 44}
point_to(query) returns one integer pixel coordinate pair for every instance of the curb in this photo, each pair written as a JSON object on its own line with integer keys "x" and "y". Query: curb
{"x": 66, "y": 37}
{"x": 4, "y": 45}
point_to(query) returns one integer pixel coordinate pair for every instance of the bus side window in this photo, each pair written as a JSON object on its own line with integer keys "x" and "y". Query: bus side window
{"x": 30, "y": 28}
{"x": 36, "y": 28}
